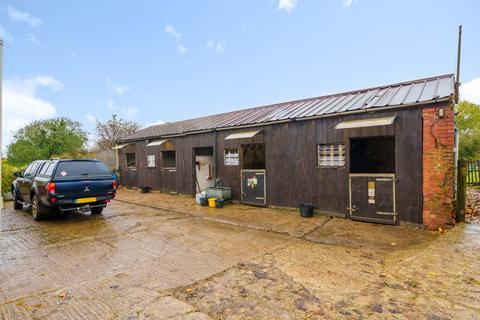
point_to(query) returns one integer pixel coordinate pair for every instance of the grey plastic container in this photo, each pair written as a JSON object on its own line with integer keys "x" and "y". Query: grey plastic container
{"x": 219, "y": 193}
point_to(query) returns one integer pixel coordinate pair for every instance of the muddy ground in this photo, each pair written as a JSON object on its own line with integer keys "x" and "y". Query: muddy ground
{"x": 158, "y": 256}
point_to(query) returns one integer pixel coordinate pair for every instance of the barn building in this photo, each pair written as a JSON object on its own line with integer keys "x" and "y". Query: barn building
{"x": 383, "y": 154}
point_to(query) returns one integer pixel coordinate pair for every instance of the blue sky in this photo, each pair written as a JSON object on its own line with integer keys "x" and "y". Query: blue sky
{"x": 153, "y": 61}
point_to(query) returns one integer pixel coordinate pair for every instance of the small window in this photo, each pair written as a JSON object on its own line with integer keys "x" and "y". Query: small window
{"x": 31, "y": 170}
{"x": 151, "y": 161}
{"x": 231, "y": 157}
{"x": 28, "y": 170}
{"x": 131, "y": 160}
{"x": 50, "y": 168}
{"x": 44, "y": 169}
{"x": 168, "y": 159}
{"x": 331, "y": 155}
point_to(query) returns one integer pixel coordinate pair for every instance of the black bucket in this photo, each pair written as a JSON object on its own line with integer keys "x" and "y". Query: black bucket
{"x": 306, "y": 210}
{"x": 204, "y": 202}
{"x": 144, "y": 189}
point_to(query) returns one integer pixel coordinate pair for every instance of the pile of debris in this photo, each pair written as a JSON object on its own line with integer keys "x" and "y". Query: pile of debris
{"x": 472, "y": 206}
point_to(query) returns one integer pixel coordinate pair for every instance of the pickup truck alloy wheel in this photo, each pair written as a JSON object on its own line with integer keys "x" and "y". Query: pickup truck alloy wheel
{"x": 38, "y": 211}
{"x": 17, "y": 204}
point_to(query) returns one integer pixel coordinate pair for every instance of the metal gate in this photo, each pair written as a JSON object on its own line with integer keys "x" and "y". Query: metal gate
{"x": 372, "y": 197}
{"x": 253, "y": 187}
{"x": 473, "y": 173}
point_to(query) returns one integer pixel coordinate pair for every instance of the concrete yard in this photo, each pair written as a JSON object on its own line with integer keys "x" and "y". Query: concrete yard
{"x": 158, "y": 256}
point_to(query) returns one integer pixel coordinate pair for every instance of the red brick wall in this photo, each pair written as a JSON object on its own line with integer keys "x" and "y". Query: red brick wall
{"x": 438, "y": 166}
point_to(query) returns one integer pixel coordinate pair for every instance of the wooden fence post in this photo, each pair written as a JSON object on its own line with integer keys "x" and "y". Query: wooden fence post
{"x": 461, "y": 191}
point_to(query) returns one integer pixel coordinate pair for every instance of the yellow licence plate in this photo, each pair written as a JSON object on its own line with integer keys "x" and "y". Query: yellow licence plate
{"x": 85, "y": 200}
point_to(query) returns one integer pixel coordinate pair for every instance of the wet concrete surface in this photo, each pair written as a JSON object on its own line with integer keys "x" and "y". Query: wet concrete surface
{"x": 166, "y": 258}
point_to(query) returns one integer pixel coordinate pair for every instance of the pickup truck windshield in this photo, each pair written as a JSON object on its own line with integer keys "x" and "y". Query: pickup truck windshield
{"x": 81, "y": 169}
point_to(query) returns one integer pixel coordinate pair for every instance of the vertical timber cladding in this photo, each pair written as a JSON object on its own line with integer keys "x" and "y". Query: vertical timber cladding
{"x": 128, "y": 176}
{"x": 148, "y": 176}
{"x": 290, "y": 152}
{"x": 332, "y": 183}
{"x": 290, "y": 163}
{"x": 230, "y": 174}
{"x": 185, "y": 159}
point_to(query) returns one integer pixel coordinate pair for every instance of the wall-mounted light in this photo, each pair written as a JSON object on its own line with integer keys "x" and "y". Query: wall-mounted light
{"x": 441, "y": 112}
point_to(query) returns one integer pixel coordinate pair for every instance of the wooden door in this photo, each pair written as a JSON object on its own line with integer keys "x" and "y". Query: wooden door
{"x": 372, "y": 197}
{"x": 253, "y": 187}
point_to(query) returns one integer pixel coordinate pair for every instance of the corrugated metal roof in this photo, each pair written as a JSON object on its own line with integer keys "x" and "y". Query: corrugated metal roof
{"x": 420, "y": 91}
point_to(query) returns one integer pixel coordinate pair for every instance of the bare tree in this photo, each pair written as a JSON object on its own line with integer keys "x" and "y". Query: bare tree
{"x": 107, "y": 135}
{"x": 109, "y": 132}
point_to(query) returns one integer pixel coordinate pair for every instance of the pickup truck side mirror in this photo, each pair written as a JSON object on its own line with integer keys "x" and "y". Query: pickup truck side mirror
{"x": 18, "y": 174}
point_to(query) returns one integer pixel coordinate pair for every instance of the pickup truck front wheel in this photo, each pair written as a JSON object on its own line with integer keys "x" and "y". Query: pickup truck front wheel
{"x": 38, "y": 209}
{"x": 17, "y": 204}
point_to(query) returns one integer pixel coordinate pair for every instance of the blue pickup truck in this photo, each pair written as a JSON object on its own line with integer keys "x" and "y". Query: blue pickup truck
{"x": 63, "y": 185}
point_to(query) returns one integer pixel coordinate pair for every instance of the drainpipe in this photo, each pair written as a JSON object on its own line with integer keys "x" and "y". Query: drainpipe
{"x": 215, "y": 154}
{"x": 1, "y": 125}
{"x": 117, "y": 161}
{"x": 457, "y": 99}
{"x": 457, "y": 76}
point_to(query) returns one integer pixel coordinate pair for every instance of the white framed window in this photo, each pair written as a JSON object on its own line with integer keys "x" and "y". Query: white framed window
{"x": 331, "y": 155}
{"x": 151, "y": 161}
{"x": 231, "y": 157}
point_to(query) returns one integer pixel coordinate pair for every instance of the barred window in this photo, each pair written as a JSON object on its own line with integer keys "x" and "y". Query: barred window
{"x": 331, "y": 155}
{"x": 231, "y": 157}
{"x": 168, "y": 158}
{"x": 131, "y": 160}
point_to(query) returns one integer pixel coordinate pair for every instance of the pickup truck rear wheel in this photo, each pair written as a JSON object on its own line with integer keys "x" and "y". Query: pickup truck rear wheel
{"x": 17, "y": 204}
{"x": 96, "y": 210}
{"x": 38, "y": 209}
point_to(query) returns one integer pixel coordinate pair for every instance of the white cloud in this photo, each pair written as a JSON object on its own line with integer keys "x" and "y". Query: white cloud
{"x": 287, "y": 5}
{"x": 470, "y": 91}
{"x": 178, "y": 37}
{"x": 22, "y": 104}
{"x": 348, "y": 3}
{"x": 171, "y": 30}
{"x": 5, "y": 35}
{"x": 218, "y": 46}
{"x": 91, "y": 140}
{"x": 181, "y": 49}
{"x": 20, "y": 16}
{"x": 156, "y": 123}
{"x": 91, "y": 119}
{"x": 117, "y": 88}
{"x": 29, "y": 86}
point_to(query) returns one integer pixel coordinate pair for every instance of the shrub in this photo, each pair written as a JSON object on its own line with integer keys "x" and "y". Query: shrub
{"x": 7, "y": 175}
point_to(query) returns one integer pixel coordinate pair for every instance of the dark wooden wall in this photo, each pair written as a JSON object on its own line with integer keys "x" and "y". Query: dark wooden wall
{"x": 293, "y": 176}
{"x": 332, "y": 183}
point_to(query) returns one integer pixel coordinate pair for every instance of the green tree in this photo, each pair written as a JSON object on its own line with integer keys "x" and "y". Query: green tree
{"x": 45, "y": 139}
{"x": 467, "y": 122}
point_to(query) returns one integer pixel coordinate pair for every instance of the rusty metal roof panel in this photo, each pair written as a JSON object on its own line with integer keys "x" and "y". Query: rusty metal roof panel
{"x": 400, "y": 94}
